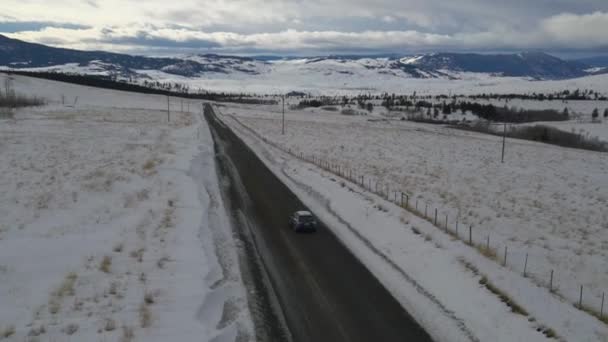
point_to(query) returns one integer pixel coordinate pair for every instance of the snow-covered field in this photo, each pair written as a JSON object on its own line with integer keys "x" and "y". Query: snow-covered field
{"x": 438, "y": 278}
{"x": 283, "y": 77}
{"x": 112, "y": 227}
{"x": 545, "y": 201}
{"x": 111, "y": 220}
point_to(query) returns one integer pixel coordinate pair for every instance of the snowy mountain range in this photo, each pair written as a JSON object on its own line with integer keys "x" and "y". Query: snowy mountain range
{"x": 16, "y": 54}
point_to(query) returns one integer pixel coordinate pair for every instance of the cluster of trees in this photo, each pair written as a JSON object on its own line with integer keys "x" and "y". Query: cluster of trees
{"x": 489, "y": 112}
{"x": 318, "y": 102}
{"x": 577, "y": 94}
{"x": 391, "y": 100}
{"x": 596, "y": 113}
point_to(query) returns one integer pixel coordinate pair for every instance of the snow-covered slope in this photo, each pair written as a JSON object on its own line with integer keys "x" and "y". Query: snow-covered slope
{"x": 112, "y": 227}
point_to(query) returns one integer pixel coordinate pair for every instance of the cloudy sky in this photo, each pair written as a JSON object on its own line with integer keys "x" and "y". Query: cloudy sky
{"x": 310, "y": 26}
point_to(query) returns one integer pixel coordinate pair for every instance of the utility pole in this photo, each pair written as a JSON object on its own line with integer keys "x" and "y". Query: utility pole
{"x": 168, "y": 110}
{"x": 283, "y": 125}
{"x": 504, "y": 138}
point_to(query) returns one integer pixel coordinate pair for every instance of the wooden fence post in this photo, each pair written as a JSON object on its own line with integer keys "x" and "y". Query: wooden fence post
{"x": 435, "y": 216}
{"x": 602, "y": 307}
{"x": 505, "y": 260}
{"x": 580, "y": 300}
{"x": 526, "y": 266}
{"x": 446, "y": 223}
{"x": 471, "y": 235}
{"x": 551, "y": 282}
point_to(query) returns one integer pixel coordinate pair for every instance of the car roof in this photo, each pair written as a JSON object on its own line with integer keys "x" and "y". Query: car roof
{"x": 303, "y": 213}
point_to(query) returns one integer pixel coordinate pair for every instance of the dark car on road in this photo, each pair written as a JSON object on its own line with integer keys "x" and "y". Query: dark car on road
{"x": 303, "y": 221}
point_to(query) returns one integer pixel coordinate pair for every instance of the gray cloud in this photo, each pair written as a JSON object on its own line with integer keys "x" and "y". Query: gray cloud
{"x": 19, "y": 26}
{"x": 316, "y": 26}
{"x": 144, "y": 39}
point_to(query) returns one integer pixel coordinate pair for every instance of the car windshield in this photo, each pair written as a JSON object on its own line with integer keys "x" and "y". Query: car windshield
{"x": 306, "y": 218}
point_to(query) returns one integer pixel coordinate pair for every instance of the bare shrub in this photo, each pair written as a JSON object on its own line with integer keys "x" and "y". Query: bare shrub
{"x": 17, "y": 100}
{"x": 70, "y": 329}
{"x": 138, "y": 254}
{"x": 149, "y": 298}
{"x": 109, "y": 325}
{"x": 162, "y": 261}
{"x": 106, "y": 264}
{"x": 348, "y": 111}
{"x": 118, "y": 248}
{"x": 54, "y": 305}
{"x": 41, "y": 330}
{"x": 113, "y": 288}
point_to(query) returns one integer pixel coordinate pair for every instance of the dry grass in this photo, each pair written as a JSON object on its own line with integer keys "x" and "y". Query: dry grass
{"x": 149, "y": 165}
{"x": 8, "y": 331}
{"x": 66, "y": 288}
{"x": 550, "y": 333}
{"x": 145, "y": 316}
{"x": 516, "y": 308}
{"x": 594, "y": 313}
{"x": 106, "y": 264}
{"x": 138, "y": 254}
{"x": 128, "y": 334}
{"x": 488, "y": 252}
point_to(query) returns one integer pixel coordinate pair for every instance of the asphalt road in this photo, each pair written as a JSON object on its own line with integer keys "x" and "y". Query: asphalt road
{"x": 320, "y": 291}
